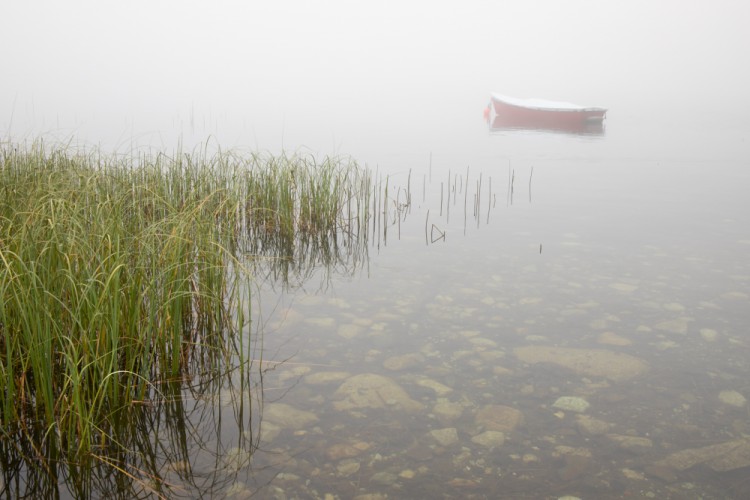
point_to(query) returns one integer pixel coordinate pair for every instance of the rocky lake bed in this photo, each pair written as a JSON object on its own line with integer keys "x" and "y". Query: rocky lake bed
{"x": 474, "y": 394}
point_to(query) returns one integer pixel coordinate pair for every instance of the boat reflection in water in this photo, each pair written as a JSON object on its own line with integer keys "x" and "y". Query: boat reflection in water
{"x": 508, "y": 113}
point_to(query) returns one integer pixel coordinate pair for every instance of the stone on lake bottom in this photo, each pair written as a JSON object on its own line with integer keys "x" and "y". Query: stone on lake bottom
{"x": 571, "y": 403}
{"x": 269, "y": 431}
{"x": 445, "y": 437}
{"x": 614, "y": 366}
{"x": 679, "y": 326}
{"x": 369, "y": 390}
{"x": 631, "y": 443}
{"x": 489, "y": 439}
{"x": 440, "y": 389}
{"x": 499, "y": 418}
{"x": 575, "y": 466}
{"x": 633, "y": 475}
{"x": 349, "y": 330}
{"x": 732, "y": 398}
{"x": 384, "y": 478}
{"x": 591, "y": 426}
{"x": 721, "y": 457}
{"x": 236, "y": 459}
{"x": 483, "y": 342}
{"x": 321, "y": 322}
{"x": 407, "y": 474}
{"x": 403, "y": 361}
{"x": 709, "y": 335}
{"x": 501, "y": 371}
{"x": 611, "y": 338}
{"x": 447, "y": 411}
{"x": 288, "y": 417}
{"x": 623, "y": 287}
{"x": 348, "y": 466}
{"x": 326, "y": 377}
{"x": 346, "y": 450}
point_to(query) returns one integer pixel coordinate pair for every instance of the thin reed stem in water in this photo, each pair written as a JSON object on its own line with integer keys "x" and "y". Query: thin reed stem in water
{"x": 122, "y": 275}
{"x": 530, "y": 176}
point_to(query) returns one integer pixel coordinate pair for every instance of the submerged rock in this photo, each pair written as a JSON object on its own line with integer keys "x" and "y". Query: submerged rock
{"x": 679, "y": 326}
{"x": 611, "y": 338}
{"x": 348, "y": 467}
{"x": 591, "y": 426}
{"x": 269, "y": 431}
{"x": 571, "y": 403}
{"x": 631, "y": 443}
{"x": 489, "y": 439}
{"x": 709, "y": 334}
{"x": 237, "y": 459}
{"x": 721, "y": 457}
{"x": 499, "y": 418}
{"x": 614, "y": 366}
{"x": 326, "y": 377}
{"x": 623, "y": 287}
{"x": 403, "y": 361}
{"x": 440, "y": 389}
{"x": 287, "y": 416}
{"x": 349, "y": 330}
{"x": 346, "y": 450}
{"x": 732, "y": 398}
{"x": 407, "y": 474}
{"x": 575, "y": 466}
{"x": 483, "y": 342}
{"x": 445, "y": 437}
{"x": 384, "y": 478}
{"x": 369, "y": 390}
{"x": 447, "y": 412}
{"x": 322, "y": 322}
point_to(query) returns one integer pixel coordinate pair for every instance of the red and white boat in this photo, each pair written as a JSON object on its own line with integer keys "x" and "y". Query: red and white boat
{"x": 541, "y": 113}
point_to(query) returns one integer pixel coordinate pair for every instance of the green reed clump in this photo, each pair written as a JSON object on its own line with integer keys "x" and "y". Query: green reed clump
{"x": 306, "y": 214}
{"x": 117, "y": 275}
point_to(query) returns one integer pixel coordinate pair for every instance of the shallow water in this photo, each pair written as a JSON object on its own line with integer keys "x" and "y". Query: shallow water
{"x": 585, "y": 336}
{"x": 554, "y": 314}
{"x": 539, "y": 314}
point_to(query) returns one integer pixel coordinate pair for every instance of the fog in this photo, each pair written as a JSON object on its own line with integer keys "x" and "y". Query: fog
{"x": 352, "y": 77}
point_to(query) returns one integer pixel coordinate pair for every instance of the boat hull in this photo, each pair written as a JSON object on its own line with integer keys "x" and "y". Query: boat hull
{"x": 543, "y": 114}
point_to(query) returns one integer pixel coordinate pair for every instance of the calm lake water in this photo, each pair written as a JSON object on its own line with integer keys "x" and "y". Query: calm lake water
{"x": 538, "y": 314}
{"x": 577, "y": 329}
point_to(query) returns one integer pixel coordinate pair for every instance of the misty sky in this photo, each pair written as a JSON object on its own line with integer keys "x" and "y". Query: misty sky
{"x": 87, "y": 65}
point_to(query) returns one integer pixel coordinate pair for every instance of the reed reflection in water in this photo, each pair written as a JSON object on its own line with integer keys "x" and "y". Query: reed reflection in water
{"x": 132, "y": 366}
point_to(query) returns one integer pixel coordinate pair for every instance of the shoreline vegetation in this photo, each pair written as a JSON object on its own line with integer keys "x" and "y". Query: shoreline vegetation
{"x": 123, "y": 280}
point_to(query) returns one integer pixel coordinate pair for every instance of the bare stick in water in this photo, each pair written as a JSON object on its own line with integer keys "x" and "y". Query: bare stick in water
{"x": 448, "y": 202}
{"x": 426, "y": 223}
{"x": 530, "y": 175}
{"x": 440, "y": 236}
{"x": 489, "y": 198}
{"x": 441, "y": 199}
{"x": 507, "y": 196}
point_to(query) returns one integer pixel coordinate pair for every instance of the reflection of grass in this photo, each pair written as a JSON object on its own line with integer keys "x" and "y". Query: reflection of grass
{"x": 117, "y": 276}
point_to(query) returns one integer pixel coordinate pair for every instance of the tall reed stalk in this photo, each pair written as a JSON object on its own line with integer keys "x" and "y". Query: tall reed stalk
{"x": 120, "y": 275}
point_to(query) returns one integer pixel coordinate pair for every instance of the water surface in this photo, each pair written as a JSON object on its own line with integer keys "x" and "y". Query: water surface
{"x": 585, "y": 336}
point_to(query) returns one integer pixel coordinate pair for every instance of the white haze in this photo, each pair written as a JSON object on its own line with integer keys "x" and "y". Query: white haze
{"x": 353, "y": 77}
